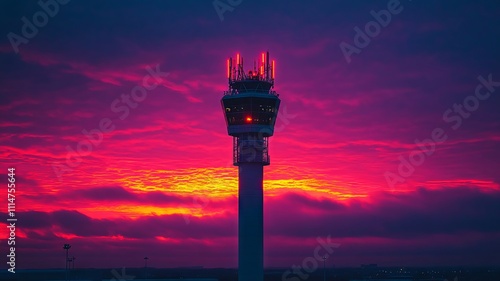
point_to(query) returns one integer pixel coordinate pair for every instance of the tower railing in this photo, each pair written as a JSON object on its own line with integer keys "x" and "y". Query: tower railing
{"x": 233, "y": 92}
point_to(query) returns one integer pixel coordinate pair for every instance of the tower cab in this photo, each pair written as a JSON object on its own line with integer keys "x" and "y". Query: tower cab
{"x": 250, "y": 105}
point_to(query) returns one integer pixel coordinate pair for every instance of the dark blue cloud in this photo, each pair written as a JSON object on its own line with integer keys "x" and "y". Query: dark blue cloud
{"x": 452, "y": 211}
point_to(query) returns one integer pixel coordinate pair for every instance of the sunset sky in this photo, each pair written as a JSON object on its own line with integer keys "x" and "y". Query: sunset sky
{"x": 161, "y": 182}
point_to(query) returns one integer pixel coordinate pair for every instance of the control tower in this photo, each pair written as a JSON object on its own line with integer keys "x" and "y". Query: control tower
{"x": 250, "y": 107}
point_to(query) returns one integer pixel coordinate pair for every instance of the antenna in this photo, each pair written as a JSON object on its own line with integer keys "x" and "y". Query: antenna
{"x": 273, "y": 75}
{"x": 238, "y": 64}
{"x": 267, "y": 65}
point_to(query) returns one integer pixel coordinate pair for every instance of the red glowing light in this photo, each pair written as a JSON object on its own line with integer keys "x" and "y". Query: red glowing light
{"x": 273, "y": 72}
{"x": 228, "y": 70}
{"x": 262, "y": 65}
{"x": 249, "y": 119}
{"x": 237, "y": 59}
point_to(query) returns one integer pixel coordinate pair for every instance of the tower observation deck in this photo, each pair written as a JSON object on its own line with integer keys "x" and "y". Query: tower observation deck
{"x": 250, "y": 108}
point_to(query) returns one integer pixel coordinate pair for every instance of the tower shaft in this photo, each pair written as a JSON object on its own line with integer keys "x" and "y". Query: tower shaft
{"x": 250, "y": 222}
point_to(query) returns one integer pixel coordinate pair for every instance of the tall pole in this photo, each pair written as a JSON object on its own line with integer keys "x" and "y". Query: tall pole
{"x": 67, "y": 247}
{"x": 250, "y": 222}
{"x": 324, "y": 268}
{"x": 70, "y": 262}
{"x": 146, "y": 267}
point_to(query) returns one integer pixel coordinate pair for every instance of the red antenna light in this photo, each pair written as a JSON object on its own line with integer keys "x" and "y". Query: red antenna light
{"x": 274, "y": 71}
{"x": 228, "y": 69}
{"x": 262, "y": 65}
{"x": 249, "y": 119}
{"x": 238, "y": 59}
